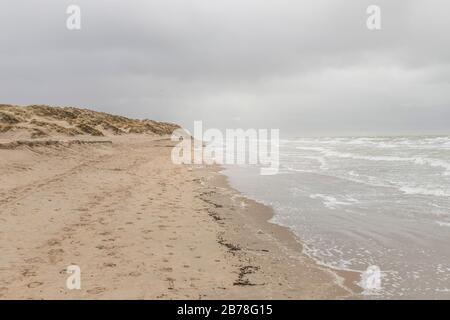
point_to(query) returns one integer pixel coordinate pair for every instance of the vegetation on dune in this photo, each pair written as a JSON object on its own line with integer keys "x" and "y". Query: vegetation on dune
{"x": 41, "y": 120}
{"x": 85, "y": 128}
{"x": 5, "y": 127}
{"x": 9, "y": 118}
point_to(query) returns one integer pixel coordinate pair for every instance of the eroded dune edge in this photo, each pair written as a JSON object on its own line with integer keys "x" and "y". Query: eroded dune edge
{"x": 138, "y": 226}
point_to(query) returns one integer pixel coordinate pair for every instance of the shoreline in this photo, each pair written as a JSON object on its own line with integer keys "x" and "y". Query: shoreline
{"x": 284, "y": 245}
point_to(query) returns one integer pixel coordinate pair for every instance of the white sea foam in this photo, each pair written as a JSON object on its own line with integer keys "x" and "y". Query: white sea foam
{"x": 416, "y": 160}
{"x": 425, "y": 191}
{"x": 434, "y": 163}
{"x": 332, "y": 202}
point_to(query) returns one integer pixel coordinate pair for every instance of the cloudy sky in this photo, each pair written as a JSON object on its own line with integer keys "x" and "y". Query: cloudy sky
{"x": 308, "y": 67}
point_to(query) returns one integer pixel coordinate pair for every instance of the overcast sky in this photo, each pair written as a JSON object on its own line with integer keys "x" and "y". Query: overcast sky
{"x": 303, "y": 66}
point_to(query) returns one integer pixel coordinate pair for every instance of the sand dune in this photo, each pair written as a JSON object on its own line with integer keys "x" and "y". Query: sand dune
{"x": 38, "y": 121}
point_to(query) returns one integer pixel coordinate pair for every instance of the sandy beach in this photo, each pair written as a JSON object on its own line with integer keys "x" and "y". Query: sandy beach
{"x": 141, "y": 227}
{"x": 257, "y": 150}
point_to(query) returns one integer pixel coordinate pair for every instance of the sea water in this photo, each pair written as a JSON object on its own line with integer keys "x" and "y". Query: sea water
{"x": 357, "y": 202}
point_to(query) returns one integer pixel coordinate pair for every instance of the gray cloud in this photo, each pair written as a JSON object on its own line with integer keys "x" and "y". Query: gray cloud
{"x": 306, "y": 67}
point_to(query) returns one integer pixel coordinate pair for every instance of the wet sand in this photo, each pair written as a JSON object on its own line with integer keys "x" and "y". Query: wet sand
{"x": 141, "y": 227}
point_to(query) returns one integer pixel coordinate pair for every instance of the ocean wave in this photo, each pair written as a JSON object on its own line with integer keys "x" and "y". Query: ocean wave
{"x": 318, "y": 149}
{"x": 424, "y": 143}
{"x": 437, "y": 163}
{"x": 443, "y": 224}
{"x": 366, "y": 179}
{"x": 434, "y": 163}
{"x": 425, "y": 191}
{"x": 332, "y": 202}
{"x": 352, "y": 176}
{"x": 403, "y": 187}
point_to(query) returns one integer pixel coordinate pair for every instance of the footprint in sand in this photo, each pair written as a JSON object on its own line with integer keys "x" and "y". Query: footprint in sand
{"x": 109, "y": 264}
{"x": 166, "y": 269}
{"x": 34, "y": 284}
{"x": 67, "y": 229}
{"x": 53, "y": 242}
{"x": 96, "y": 290}
{"x": 54, "y": 255}
{"x": 28, "y": 272}
{"x": 35, "y": 260}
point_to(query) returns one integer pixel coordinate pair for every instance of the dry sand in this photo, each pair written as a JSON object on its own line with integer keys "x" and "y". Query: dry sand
{"x": 141, "y": 227}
